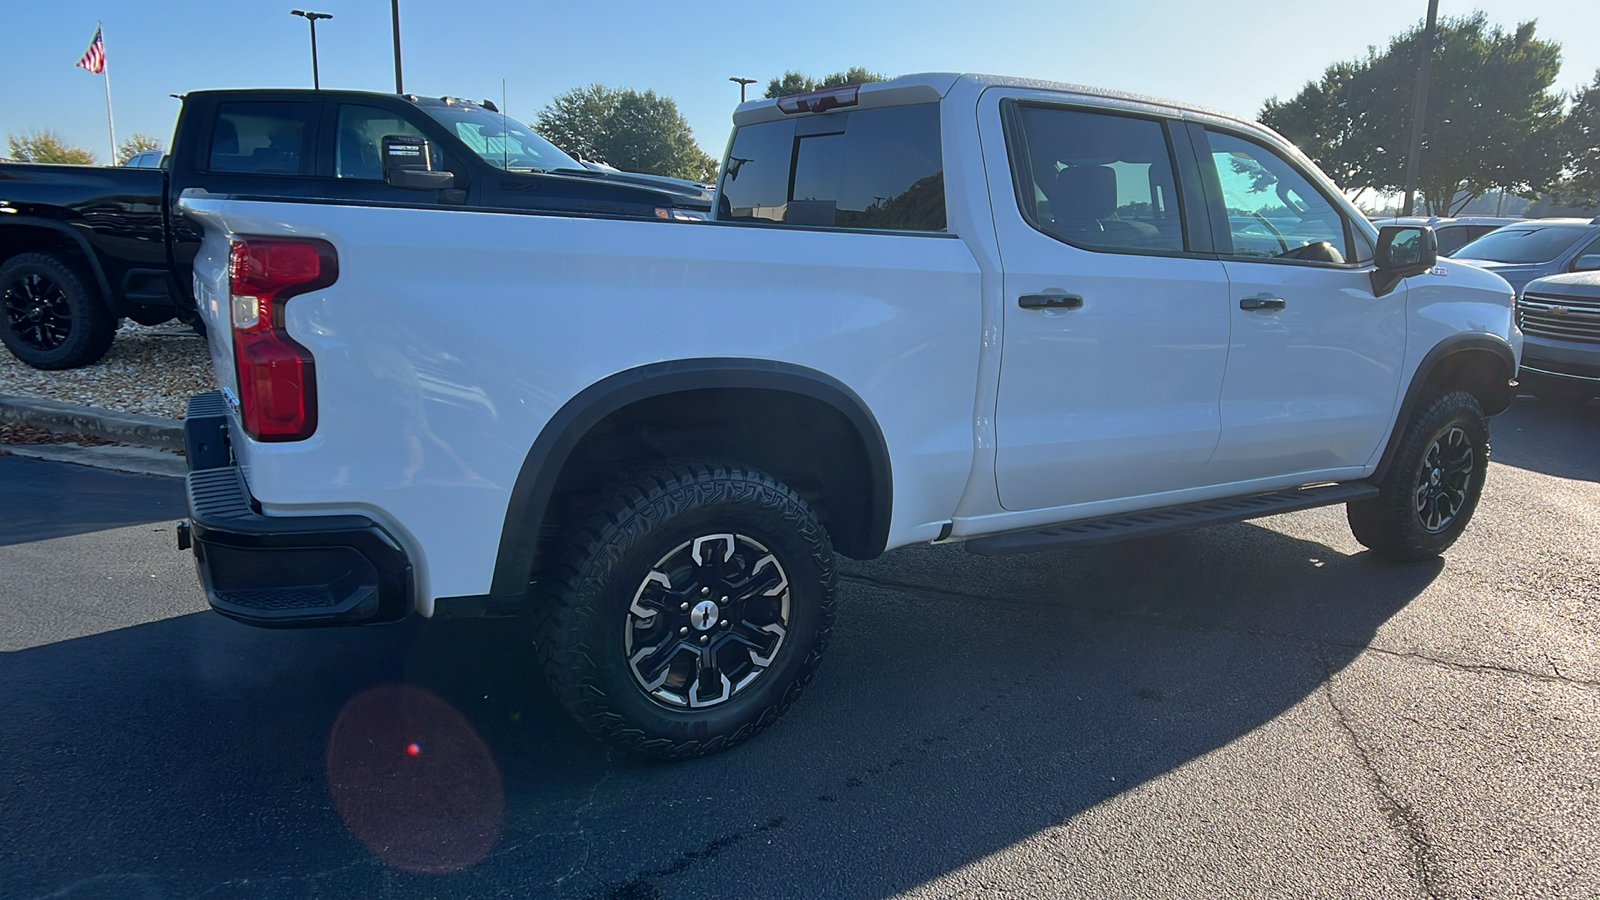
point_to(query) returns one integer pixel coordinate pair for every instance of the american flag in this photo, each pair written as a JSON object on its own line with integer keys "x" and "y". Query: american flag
{"x": 94, "y": 59}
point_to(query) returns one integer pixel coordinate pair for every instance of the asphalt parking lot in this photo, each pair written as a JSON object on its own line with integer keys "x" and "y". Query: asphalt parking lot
{"x": 1253, "y": 710}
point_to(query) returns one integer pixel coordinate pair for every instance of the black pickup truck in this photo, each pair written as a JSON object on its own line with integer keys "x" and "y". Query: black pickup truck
{"x": 82, "y": 246}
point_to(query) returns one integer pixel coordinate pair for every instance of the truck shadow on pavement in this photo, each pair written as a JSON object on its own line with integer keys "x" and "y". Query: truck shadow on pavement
{"x": 42, "y": 500}
{"x": 966, "y": 704}
{"x": 1550, "y": 438}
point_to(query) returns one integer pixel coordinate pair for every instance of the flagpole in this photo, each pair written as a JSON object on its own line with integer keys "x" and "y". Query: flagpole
{"x": 105, "y": 72}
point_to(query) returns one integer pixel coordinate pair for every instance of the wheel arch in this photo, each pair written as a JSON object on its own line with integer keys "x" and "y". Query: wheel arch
{"x": 1484, "y": 365}
{"x": 30, "y": 234}
{"x": 534, "y": 493}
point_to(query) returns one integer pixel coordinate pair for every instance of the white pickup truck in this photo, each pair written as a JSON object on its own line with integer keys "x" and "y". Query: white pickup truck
{"x": 944, "y": 308}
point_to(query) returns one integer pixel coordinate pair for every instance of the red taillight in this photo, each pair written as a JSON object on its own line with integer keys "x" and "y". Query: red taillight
{"x": 277, "y": 377}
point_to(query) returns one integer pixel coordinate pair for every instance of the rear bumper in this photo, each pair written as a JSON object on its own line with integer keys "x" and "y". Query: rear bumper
{"x": 282, "y": 571}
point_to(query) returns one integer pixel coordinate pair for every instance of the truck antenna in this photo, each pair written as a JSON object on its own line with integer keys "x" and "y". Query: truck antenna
{"x": 505, "y": 136}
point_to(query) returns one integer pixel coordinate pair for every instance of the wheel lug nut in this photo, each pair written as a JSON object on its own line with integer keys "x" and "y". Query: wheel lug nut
{"x": 704, "y": 638}
{"x": 705, "y": 592}
{"x": 723, "y": 623}
{"x": 683, "y": 630}
{"x": 684, "y": 607}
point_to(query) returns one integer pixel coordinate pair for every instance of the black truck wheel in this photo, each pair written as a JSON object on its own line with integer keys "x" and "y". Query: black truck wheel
{"x": 1432, "y": 486}
{"x": 687, "y": 615}
{"x": 51, "y": 320}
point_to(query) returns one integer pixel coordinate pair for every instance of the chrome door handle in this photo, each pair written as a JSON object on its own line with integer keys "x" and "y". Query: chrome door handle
{"x": 1050, "y": 301}
{"x": 1262, "y": 301}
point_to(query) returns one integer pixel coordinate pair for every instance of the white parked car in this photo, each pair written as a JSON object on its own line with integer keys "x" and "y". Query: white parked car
{"x": 945, "y": 308}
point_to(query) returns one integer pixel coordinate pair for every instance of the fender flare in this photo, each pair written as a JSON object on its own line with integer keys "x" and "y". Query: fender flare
{"x": 536, "y": 482}
{"x": 1457, "y": 343}
{"x": 82, "y": 243}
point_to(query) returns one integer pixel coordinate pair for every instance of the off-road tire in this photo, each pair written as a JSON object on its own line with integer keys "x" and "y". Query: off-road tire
{"x": 89, "y": 326}
{"x": 1390, "y": 524}
{"x": 582, "y": 609}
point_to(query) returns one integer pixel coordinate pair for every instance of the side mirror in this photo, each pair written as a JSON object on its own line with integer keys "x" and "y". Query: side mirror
{"x": 407, "y": 163}
{"x": 1589, "y": 262}
{"x": 1403, "y": 251}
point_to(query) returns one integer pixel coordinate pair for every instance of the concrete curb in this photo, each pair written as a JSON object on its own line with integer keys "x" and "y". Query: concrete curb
{"x": 131, "y": 460}
{"x": 124, "y": 428}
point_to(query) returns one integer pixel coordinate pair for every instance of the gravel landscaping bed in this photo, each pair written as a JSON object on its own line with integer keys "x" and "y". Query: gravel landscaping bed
{"x": 152, "y": 370}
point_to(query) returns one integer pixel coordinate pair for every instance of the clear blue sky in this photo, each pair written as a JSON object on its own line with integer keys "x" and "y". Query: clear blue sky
{"x": 1219, "y": 54}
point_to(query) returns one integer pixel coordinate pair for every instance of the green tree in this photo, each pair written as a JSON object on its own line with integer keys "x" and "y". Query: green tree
{"x": 43, "y": 145}
{"x": 1581, "y": 137}
{"x": 797, "y": 83}
{"x": 1492, "y": 121}
{"x": 632, "y": 131}
{"x": 136, "y": 143}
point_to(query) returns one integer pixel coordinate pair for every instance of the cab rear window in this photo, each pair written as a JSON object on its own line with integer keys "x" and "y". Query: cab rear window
{"x": 263, "y": 138}
{"x": 869, "y": 169}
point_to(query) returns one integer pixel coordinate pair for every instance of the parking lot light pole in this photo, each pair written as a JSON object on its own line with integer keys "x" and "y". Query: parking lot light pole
{"x": 742, "y": 82}
{"x": 1419, "y": 110}
{"x": 394, "y": 9}
{"x": 312, "y": 17}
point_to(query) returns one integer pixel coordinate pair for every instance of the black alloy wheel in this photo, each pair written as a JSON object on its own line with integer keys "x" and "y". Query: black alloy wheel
{"x": 49, "y": 319}
{"x": 687, "y": 613}
{"x": 1432, "y": 485}
{"x": 707, "y": 621}
{"x": 1444, "y": 480}
{"x": 37, "y": 311}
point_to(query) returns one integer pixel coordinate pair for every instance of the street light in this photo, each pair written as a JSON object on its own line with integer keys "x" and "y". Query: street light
{"x": 741, "y": 82}
{"x": 1419, "y": 109}
{"x": 394, "y": 9}
{"x": 312, "y": 17}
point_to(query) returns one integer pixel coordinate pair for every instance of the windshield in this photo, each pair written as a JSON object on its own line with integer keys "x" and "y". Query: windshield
{"x": 1523, "y": 244}
{"x": 502, "y": 142}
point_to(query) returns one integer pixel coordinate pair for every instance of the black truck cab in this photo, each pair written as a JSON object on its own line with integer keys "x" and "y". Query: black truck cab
{"x": 83, "y": 246}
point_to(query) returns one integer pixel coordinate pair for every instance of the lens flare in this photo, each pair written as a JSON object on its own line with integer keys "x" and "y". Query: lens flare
{"x": 436, "y": 812}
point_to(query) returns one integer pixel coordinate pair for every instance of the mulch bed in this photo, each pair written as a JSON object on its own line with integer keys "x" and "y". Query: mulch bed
{"x": 21, "y": 433}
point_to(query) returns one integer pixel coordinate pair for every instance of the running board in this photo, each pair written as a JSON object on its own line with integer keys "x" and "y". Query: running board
{"x": 1168, "y": 519}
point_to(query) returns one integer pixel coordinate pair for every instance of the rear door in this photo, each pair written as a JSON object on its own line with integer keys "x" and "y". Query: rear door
{"x": 1116, "y": 319}
{"x": 1314, "y": 362}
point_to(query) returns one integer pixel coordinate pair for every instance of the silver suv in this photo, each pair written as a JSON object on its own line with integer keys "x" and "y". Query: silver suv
{"x": 1536, "y": 248}
{"x": 1560, "y": 321}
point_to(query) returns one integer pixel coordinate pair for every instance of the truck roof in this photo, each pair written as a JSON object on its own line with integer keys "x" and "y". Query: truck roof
{"x": 928, "y": 87}
{"x": 328, "y": 93}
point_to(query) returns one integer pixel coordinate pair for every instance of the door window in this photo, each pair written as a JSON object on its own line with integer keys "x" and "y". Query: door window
{"x": 260, "y": 138}
{"x": 1274, "y": 212}
{"x": 1097, "y": 180}
{"x": 358, "y": 150}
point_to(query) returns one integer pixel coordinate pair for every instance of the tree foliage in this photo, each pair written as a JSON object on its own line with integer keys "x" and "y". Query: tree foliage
{"x": 1492, "y": 121}
{"x": 797, "y": 83}
{"x": 136, "y": 143}
{"x": 1581, "y": 135}
{"x": 632, "y": 131}
{"x": 43, "y": 145}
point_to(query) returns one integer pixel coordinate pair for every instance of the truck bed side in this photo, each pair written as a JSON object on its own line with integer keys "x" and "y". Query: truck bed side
{"x": 112, "y": 218}
{"x": 451, "y": 339}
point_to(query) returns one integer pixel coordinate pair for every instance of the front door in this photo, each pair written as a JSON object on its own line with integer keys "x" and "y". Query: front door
{"x": 1116, "y": 327}
{"x": 1314, "y": 364}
